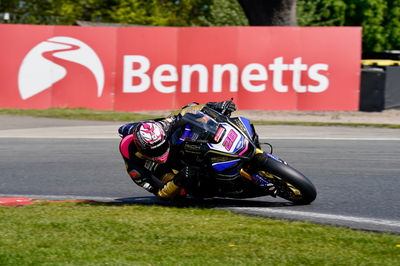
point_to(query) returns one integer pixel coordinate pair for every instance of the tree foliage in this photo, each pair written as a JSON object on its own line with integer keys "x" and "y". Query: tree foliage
{"x": 149, "y": 12}
{"x": 321, "y": 12}
{"x": 56, "y": 12}
{"x": 160, "y": 12}
{"x": 224, "y": 13}
{"x": 380, "y": 19}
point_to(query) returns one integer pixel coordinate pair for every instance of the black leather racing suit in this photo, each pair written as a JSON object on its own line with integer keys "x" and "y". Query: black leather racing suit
{"x": 159, "y": 179}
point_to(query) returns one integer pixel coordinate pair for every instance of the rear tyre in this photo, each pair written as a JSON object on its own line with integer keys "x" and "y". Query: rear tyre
{"x": 290, "y": 183}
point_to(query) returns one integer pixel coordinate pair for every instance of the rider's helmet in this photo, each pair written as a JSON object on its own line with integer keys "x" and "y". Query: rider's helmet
{"x": 151, "y": 141}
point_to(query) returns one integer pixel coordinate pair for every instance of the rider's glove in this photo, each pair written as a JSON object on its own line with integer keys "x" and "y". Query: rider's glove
{"x": 125, "y": 130}
{"x": 225, "y": 107}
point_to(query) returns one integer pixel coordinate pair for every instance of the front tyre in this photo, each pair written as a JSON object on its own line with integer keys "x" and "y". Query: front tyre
{"x": 290, "y": 183}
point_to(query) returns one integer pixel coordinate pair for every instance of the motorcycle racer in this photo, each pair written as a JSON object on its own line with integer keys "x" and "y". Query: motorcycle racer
{"x": 145, "y": 148}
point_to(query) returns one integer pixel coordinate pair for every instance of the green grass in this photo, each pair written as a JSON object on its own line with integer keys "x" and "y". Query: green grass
{"x": 100, "y": 234}
{"x": 78, "y": 114}
{"x": 86, "y": 114}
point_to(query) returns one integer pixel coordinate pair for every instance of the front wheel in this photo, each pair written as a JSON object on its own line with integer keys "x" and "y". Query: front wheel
{"x": 290, "y": 183}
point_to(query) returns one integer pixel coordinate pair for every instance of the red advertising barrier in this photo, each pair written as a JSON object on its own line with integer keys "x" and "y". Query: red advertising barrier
{"x": 161, "y": 68}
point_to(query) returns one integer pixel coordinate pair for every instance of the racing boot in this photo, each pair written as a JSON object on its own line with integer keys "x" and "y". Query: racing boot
{"x": 172, "y": 186}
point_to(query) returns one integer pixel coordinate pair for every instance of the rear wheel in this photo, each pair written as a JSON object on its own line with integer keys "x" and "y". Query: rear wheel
{"x": 290, "y": 183}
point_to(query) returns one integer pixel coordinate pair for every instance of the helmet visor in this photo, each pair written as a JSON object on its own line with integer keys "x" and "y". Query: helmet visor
{"x": 159, "y": 153}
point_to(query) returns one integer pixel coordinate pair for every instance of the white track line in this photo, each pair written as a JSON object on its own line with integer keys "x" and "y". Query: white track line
{"x": 58, "y": 137}
{"x": 328, "y": 138}
{"x": 314, "y": 215}
{"x": 253, "y": 210}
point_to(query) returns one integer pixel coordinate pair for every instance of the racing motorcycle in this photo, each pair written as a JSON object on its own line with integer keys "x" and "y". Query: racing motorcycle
{"x": 227, "y": 153}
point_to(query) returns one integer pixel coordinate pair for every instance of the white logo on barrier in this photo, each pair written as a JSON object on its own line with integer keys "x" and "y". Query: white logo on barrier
{"x": 252, "y": 77}
{"x": 38, "y": 73}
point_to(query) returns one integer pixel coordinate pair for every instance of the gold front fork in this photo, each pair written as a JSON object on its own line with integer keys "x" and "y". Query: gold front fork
{"x": 246, "y": 174}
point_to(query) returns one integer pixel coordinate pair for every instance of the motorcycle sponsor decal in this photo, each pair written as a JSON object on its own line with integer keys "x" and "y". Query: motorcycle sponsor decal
{"x": 33, "y": 76}
{"x": 219, "y": 134}
{"x": 260, "y": 180}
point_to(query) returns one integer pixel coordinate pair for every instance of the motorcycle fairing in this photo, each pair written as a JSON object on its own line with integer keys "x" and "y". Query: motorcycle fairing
{"x": 233, "y": 142}
{"x": 244, "y": 125}
{"x": 247, "y": 124}
{"x": 274, "y": 157}
{"x": 187, "y": 134}
{"x": 222, "y": 166}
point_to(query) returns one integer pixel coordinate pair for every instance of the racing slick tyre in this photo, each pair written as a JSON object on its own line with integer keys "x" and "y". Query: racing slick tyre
{"x": 290, "y": 183}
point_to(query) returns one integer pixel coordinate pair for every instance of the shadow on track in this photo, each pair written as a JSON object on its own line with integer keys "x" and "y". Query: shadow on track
{"x": 198, "y": 203}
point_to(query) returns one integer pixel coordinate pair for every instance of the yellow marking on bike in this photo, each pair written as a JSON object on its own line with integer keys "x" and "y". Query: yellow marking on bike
{"x": 259, "y": 151}
{"x": 222, "y": 153}
{"x": 245, "y": 174}
{"x": 269, "y": 176}
{"x": 295, "y": 190}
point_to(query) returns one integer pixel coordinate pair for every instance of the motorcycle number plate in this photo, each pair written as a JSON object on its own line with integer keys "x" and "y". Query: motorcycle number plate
{"x": 231, "y": 142}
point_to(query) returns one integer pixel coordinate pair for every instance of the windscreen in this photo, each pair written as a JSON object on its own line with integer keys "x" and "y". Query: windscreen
{"x": 201, "y": 122}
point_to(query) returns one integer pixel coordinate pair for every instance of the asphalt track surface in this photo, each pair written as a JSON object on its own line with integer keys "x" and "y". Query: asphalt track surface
{"x": 356, "y": 170}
